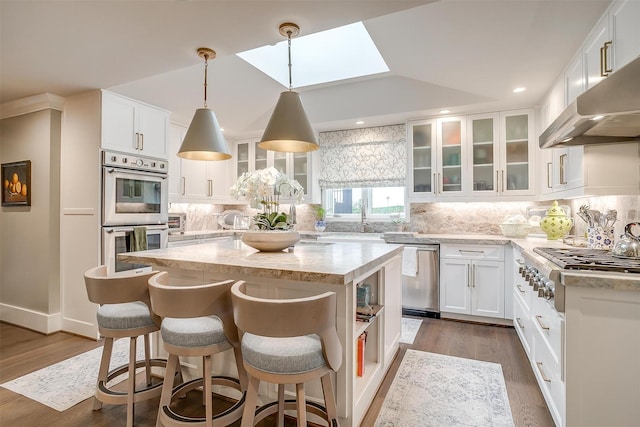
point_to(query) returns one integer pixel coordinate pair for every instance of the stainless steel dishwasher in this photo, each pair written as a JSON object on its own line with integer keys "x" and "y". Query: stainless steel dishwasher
{"x": 421, "y": 280}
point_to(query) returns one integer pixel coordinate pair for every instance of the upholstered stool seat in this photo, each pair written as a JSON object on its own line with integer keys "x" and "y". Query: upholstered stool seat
{"x": 124, "y": 311}
{"x": 288, "y": 341}
{"x": 197, "y": 321}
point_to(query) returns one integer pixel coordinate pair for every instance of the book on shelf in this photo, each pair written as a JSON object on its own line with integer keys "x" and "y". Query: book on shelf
{"x": 367, "y": 314}
{"x": 362, "y": 339}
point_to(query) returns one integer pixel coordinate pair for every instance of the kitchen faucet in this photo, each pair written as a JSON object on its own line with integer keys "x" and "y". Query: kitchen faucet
{"x": 363, "y": 216}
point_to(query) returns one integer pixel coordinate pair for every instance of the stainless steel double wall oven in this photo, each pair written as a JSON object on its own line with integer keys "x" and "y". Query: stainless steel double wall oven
{"x": 134, "y": 199}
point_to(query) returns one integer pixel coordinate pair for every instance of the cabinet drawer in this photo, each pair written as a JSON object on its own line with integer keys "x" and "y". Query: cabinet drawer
{"x": 550, "y": 327}
{"x": 488, "y": 252}
{"x": 522, "y": 324}
{"x": 549, "y": 378}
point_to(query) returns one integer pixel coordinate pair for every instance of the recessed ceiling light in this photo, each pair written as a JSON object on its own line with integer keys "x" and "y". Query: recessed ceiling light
{"x": 445, "y": 111}
{"x": 337, "y": 54}
{"x": 519, "y": 89}
{"x": 359, "y": 122}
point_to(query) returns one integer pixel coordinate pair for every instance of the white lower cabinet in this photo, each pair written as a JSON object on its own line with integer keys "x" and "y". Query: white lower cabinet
{"x": 472, "y": 280}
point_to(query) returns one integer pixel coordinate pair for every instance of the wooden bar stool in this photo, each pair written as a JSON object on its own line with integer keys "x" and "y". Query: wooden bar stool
{"x": 197, "y": 321}
{"x": 124, "y": 312}
{"x": 288, "y": 341}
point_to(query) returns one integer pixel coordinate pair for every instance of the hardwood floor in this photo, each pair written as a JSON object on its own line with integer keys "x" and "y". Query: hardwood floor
{"x": 23, "y": 351}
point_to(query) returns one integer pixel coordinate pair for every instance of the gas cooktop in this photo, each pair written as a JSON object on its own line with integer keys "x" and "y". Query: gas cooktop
{"x": 589, "y": 259}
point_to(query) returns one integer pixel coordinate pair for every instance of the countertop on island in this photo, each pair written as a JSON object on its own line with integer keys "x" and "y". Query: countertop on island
{"x": 332, "y": 263}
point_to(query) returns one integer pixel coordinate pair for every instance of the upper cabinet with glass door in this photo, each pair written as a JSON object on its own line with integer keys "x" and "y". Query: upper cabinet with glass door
{"x": 436, "y": 157}
{"x": 249, "y": 157}
{"x": 517, "y": 153}
{"x": 483, "y": 133}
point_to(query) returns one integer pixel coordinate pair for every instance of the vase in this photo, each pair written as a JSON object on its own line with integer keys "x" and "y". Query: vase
{"x": 270, "y": 240}
{"x": 320, "y": 226}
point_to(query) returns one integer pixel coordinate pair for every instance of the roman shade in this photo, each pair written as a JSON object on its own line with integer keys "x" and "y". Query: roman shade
{"x": 368, "y": 157}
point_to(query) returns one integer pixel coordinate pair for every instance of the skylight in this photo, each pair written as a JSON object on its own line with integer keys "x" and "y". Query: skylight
{"x": 331, "y": 55}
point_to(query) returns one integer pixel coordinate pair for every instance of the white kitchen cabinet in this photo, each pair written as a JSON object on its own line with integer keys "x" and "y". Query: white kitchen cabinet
{"x": 195, "y": 180}
{"x": 613, "y": 42}
{"x": 250, "y": 157}
{"x": 472, "y": 280}
{"x": 132, "y": 127}
{"x": 502, "y": 153}
{"x": 436, "y": 157}
{"x": 593, "y": 170}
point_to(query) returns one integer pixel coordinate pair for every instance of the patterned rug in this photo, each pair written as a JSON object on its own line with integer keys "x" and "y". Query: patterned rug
{"x": 73, "y": 380}
{"x": 436, "y": 390}
{"x": 409, "y": 330}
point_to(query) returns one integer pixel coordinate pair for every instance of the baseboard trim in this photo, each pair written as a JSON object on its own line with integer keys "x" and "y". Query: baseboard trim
{"x": 77, "y": 327}
{"x": 30, "y": 319}
{"x": 477, "y": 319}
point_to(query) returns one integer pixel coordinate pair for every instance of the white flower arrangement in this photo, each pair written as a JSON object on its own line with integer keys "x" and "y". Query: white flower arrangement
{"x": 262, "y": 189}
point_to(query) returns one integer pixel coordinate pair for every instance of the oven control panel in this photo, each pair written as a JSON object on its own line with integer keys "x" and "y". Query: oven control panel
{"x": 130, "y": 161}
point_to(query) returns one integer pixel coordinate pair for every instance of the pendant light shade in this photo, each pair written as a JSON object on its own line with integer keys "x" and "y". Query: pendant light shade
{"x": 289, "y": 129}
{"x": 204, "y": 139}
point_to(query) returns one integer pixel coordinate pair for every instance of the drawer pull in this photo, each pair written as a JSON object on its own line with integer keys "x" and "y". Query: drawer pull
{"x": 470, "y": 251}
{"x": 544, "y": 377}
{"x": 520, "y": 289}
{"x": 538, "y": 319}
{"x": 519, "y": 323}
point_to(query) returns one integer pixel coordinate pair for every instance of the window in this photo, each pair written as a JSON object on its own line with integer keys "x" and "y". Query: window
{"x": 378, "y": 202}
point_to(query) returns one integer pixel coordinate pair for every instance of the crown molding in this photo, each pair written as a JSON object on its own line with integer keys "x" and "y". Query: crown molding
{"x": 31, "y": 104}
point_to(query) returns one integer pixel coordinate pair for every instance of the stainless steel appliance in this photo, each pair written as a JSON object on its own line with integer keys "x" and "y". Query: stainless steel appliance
{"x": 608, "y": 112}
{"x": 117, "y": 240}
{"x": 420, "y": 293}
{"x": 134, "y": 190}
{"x": 177, "y": 222}
{"x": 134, "y": 194}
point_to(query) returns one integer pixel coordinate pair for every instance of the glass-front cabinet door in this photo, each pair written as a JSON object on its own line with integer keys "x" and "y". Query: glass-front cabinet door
{"x": 422, "y": 153}
{"x": 301, "y": 170}
{"x": 450, "y": 173}
{"x": 518, "y": 152}
{"x": 483, "y": 133}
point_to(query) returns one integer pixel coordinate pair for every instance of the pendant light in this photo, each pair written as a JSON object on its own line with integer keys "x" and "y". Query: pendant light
{"x": 289, "y": 129}
{"x": 204, "y": 139}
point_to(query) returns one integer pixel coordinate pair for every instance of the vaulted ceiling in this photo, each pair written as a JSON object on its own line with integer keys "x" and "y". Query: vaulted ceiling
{"x": 463, "y": 55}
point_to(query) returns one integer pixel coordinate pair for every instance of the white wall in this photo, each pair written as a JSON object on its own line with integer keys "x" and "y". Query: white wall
{"x": 30, "y": 235}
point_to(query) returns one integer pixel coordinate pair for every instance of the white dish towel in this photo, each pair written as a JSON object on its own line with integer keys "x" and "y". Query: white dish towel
{"x": 410, "y": 261}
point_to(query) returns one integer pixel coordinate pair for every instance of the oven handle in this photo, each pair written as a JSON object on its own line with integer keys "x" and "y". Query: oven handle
{"x": 135, "y": 172}
{"x": 126, "y": 229}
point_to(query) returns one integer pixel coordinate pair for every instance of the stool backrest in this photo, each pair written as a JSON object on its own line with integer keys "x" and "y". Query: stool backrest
{"x": 125, "y": 287}
{"x": 294, "y": 317}
{"x": 212, "y": 299}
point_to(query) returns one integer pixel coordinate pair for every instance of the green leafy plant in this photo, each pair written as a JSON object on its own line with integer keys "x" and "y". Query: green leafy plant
{"x": 271, "y": 221}
{"x": 320, "y": 213}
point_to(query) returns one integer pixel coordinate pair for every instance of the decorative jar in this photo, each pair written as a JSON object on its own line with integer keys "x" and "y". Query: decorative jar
{"x": 556, "y": 224}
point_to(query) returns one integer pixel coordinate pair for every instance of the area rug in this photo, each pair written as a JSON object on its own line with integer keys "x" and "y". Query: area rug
{"x": 436, "y": 390}
{"x": 67, "y": 383}
{"x": 410, "y": 329}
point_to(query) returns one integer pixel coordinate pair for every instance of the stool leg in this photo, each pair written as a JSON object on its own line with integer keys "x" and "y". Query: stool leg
{"x": 302, "y": 405}
{"x": 249, "y": 412}
{"x": 280, "y": 405}
{"x": 242, "y": 373}
{"x": 329, "y": 399}
{"x": 206, "y": 389}
{"x": 147, "y": 357}
{"x": 167, "y": 386}
{"x": 131, "y": 389}
{"x": 107, "y": 349}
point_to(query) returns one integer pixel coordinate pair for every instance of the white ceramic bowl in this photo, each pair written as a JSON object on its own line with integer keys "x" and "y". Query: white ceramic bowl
{"x": 515, "y": 230}
{"x": 270, "y": 241}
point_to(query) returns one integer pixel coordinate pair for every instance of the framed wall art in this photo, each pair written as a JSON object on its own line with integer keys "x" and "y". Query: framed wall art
{"x": 16, "y": 183}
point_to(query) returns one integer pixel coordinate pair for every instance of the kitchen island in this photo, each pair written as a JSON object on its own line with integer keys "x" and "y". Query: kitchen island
{"x": 310, "y": 268}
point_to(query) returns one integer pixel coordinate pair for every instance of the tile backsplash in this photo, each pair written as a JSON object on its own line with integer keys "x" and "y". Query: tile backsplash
{"x": 430, "y": 218}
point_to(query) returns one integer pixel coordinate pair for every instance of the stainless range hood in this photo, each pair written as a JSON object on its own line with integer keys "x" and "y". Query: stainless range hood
{"x": 609, "y": 112}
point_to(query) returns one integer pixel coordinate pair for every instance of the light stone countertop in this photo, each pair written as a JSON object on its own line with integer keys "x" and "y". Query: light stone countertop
{"x": 203, "y": 234}
{"x": 334, "y": 263}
